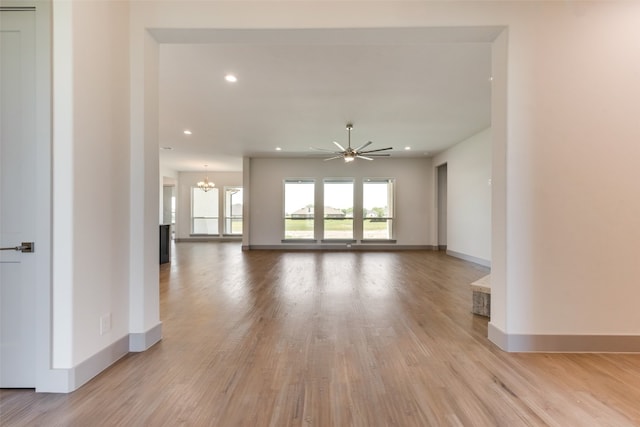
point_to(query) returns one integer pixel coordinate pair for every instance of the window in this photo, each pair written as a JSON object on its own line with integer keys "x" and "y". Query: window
{"x": 233, "y": 210}
{"x": 173, "y": 209}
{"x": 299, "y": 196}
{"x": 377, "y": 203}
{"x": 204, "y": 211}
{"x": 338, "y": 209}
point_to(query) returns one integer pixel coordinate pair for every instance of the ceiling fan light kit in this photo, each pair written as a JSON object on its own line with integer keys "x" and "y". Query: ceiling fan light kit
{"x": 350, "y": 154}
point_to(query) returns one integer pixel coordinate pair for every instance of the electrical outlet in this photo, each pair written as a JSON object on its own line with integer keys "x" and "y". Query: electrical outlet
{"x": 105, "y": 323}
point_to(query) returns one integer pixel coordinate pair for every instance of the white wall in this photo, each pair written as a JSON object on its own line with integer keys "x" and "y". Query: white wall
{"x": 413, "y": 190}
{"x": 567, "y": 143}
{"x": 469, "y": 197}
{"x": 568, "y": 138}
{"x": 572, "y": 171}
{"x": 186, "y": 180}
{"x": 91, "y": 189}
{"x": 144, "y": 295}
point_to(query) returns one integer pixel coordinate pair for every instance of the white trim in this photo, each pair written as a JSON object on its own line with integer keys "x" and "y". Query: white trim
{"x": 68, "y": 380}
{"x": 88, "y": 369}
{"x": 564, "y": 343}
{"x": 476, "y": 260}
{"x": 209, "y": 238}
{"x": 497, "y": 337}
{"x": 341, "y": 247}
{"x": 142, "y": 341}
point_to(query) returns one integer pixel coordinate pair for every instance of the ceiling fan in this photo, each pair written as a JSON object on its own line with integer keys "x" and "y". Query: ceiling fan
{"x": 350, "y": 154}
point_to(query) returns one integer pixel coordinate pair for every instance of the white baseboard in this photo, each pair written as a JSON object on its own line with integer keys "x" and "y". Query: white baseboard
{"x": 514, "y": 343}
{"x": 218, "y": 239}
{"x": 68, "y": 380}
{"x": 144, "y": 340}
{"x": 340, "y": 247}
{"x": 54, "y": 381}
{"x": 476, "y": 260}
{"x": 85, "y": 371}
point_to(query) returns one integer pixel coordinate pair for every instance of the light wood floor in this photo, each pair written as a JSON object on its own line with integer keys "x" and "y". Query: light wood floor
{"x": 333, "y": 339}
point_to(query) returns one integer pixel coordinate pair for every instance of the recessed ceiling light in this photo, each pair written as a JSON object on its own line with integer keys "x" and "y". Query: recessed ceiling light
{"x": 278, "y": 149}
{"x": 407, "y": 148}
{"x": 231, "y": 78}
{"x": 187, "y": 132}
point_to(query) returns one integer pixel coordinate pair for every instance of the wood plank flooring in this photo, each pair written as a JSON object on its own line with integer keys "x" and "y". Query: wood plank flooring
{"x": 268, "y": 338}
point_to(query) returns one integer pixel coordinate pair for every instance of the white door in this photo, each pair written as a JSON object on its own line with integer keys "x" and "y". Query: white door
{"x": 17, "y": 199}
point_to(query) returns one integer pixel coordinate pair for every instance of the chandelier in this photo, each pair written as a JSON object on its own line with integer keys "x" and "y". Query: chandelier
{"x": 206, "y": 185}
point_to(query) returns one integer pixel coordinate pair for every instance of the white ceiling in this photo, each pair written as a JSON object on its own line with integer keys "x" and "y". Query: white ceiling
{"x": 423, "y": 88}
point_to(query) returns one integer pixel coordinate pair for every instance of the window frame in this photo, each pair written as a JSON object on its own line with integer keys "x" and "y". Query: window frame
{"x": 229, "y": 218}
{"x": 391, "y": 208}
{"x": 310, "y": 218}
{"x": 340, "y": 180}
{"x": 216, "y": 218}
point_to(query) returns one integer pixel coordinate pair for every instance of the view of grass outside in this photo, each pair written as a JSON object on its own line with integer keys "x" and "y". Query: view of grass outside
{"x": 377, "y": 208}
{"x": 338, "y": 228}
{"x": 233, "y": 225}
{"x": 374, "y": 228}
{"x": 302, "y": 228}
{"x": 298, "y": 228}
{"x": 338, "y": 209}
{"x": 337, "y": 213}
{"x": 299, "y": 197}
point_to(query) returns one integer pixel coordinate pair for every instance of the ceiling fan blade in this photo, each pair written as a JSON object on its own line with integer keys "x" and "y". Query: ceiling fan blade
{"x": 339, "y": 146}
{"x": 324, "y": 149}
{"x": 366, "y": 144}
{"x": 334, "y": 157}
{"x": 363, "y": 157}
{"x": 379, "y": 149}
{"x": 378, "y": 155}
